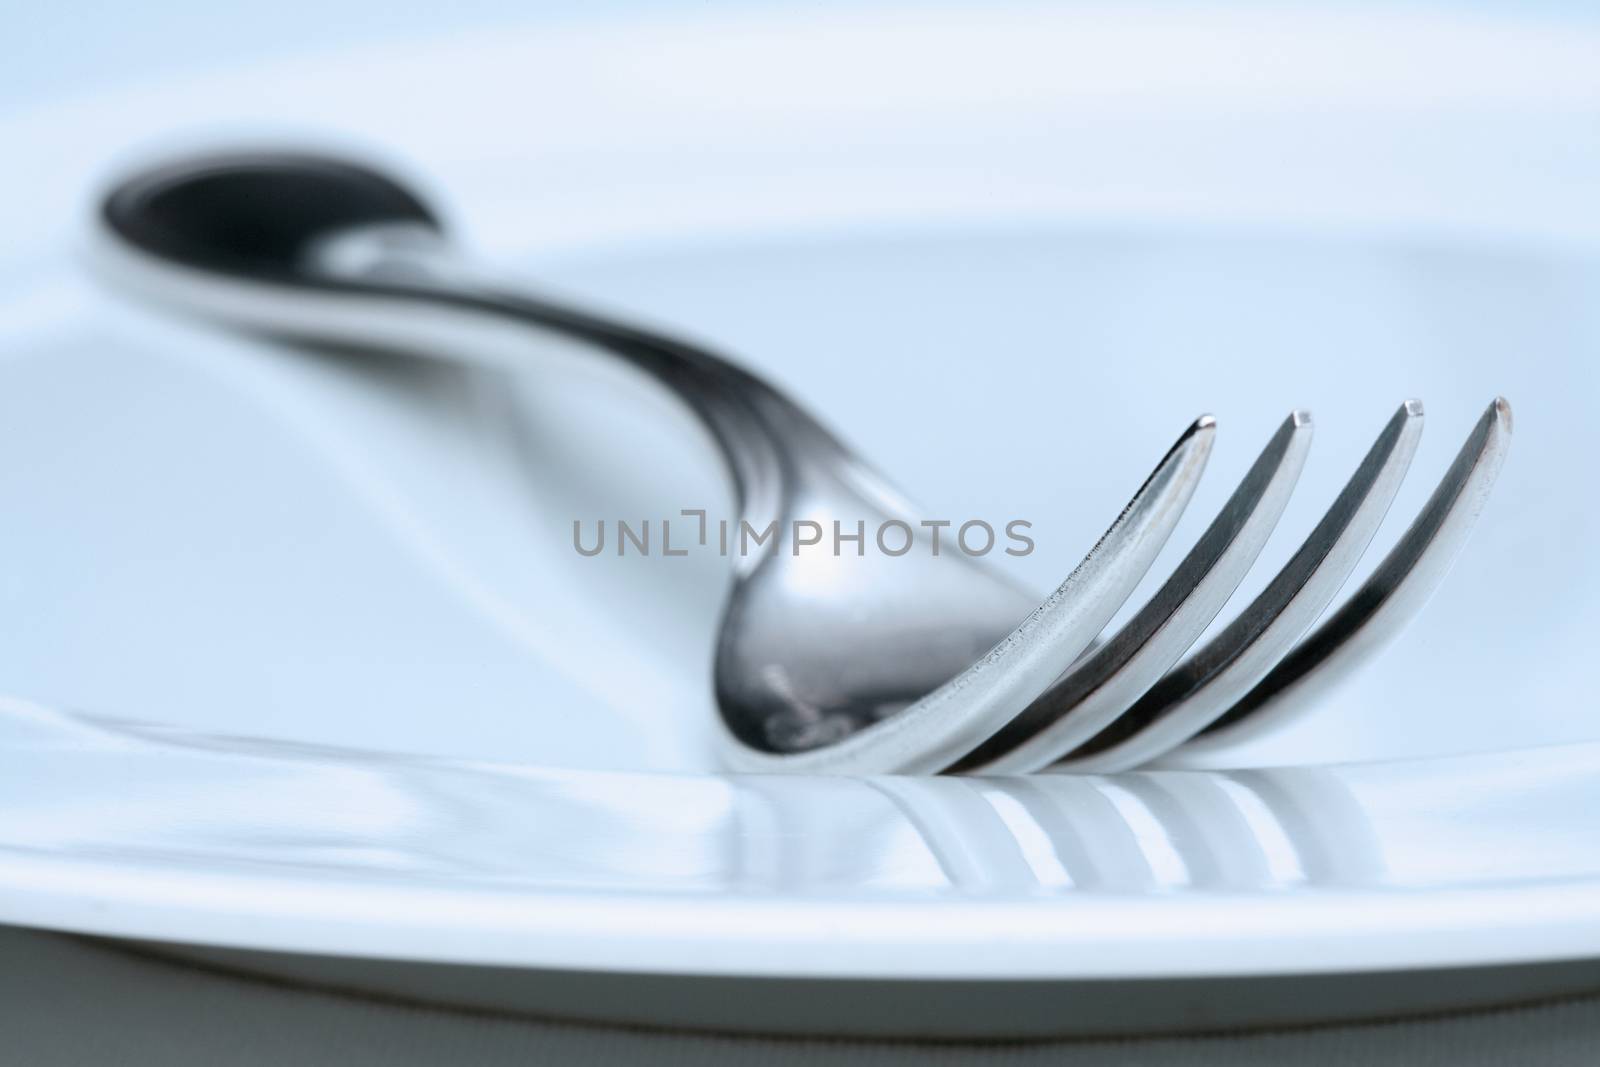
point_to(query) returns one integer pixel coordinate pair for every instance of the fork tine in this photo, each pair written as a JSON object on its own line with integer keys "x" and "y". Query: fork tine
{"x": 1385, "y": 602}
{"x": 1085, "y": 700}
{"x": 952, "y": 720}
{"x": 1208, "y": 682}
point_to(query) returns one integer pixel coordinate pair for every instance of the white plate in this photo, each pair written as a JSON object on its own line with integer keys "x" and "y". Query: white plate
{"x": 915, "y": 906}
{"x": 1047, "y": 238}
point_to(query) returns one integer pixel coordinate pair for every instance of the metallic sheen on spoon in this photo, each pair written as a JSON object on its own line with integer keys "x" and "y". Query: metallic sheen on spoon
{"x": 825, "y": 664}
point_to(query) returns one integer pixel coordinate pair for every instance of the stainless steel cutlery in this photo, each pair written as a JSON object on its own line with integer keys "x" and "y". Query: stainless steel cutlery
{"x": 844, "y": 663}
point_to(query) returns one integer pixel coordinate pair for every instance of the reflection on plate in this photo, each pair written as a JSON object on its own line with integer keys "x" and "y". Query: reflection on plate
{"x": 161, "y": 834}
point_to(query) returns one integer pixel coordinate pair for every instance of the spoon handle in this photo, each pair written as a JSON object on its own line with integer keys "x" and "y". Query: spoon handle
{"x": 758, "y": 431}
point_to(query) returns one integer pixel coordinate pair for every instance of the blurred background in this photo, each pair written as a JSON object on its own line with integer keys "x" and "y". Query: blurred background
{"x": 68, "y": 49}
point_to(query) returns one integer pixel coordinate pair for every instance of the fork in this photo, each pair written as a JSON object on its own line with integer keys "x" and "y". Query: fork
{"x": 847, "y": 664}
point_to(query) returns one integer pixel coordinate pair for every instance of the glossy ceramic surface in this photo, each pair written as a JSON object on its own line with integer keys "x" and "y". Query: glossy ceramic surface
{"x": 1488, "y": 859}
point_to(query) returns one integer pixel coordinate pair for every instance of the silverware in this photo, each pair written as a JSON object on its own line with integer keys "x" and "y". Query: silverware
{"x": 850, "y": 664}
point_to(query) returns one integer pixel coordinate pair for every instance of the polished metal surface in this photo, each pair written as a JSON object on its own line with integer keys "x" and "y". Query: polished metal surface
{"x": 827, "y": 663}
{"x": 1221, "y": 671}
{"x": 1384, "y": 603}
